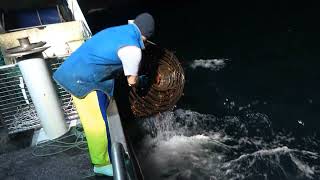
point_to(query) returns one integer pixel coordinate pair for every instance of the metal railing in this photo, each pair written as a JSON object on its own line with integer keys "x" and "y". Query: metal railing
{"x": 17, "y": 111}
{"x": 122, "y": 157}
{"x": 120, "y": 171}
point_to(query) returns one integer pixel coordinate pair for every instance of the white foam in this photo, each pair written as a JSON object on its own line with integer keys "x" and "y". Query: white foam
{"x": 262, "y": 152}
{"x": 183, "y": 143}
{"x": 309, "y": 172}
{"x": 212, "y": 64}
{"x": 179, "y": 152}
{"x": 301, "y": 122}
{"x": 175, "y": 153}
{"x": 266, "y": 154}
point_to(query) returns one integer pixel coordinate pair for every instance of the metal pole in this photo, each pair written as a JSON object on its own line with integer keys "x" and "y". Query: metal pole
{"x": 118, "y": 157}
{"x": 44, "y": 96}
{"x": 40, "y": 86}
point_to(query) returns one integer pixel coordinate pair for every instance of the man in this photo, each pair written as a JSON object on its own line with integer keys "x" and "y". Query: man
{"x": 88, "y": 75}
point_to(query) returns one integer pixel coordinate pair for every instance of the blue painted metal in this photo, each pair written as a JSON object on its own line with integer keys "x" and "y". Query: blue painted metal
{"x": 49, "y": 15}
{"x": 26, "y": 18}
{"x": 34, "y": 17}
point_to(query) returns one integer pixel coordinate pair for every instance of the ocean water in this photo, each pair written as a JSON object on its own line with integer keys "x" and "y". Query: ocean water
{"x": 251, "y": 106}
{"x": 185, "y": 144}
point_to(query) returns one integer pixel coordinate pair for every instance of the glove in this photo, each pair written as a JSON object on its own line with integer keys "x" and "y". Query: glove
{"x": 142, "y": 85}
{"x": 143, "y": 81}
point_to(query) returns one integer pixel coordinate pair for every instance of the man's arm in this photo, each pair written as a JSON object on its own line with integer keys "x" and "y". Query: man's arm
{"x": 130, "y": 57}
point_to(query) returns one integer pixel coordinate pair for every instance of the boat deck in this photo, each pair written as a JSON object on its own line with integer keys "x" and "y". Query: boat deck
{"x": 21, "y": 164}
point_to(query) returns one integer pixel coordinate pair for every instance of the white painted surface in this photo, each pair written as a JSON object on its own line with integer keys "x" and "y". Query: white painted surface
{"x": 44, "y": 96}
{"x": 62, "y": 38}
{"x": 77, "y": 13}
{"x": 39, "y": 137}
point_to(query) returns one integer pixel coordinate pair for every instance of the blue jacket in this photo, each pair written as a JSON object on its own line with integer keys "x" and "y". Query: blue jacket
{"x": 92, "y": 65}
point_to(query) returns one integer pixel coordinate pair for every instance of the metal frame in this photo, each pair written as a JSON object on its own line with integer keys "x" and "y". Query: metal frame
{"x": 122, "y": 159}
{"x": 16, "y": 109}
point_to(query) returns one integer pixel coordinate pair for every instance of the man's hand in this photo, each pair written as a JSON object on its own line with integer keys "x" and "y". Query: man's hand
{"x": 132, "y": 80}
{"x": 138, "y": 81}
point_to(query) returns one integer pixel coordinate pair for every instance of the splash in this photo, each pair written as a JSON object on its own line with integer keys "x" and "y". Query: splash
{"x": 277, "y": 163}
{"x": 189, "y": 145}
{"x": 212, "y": 64}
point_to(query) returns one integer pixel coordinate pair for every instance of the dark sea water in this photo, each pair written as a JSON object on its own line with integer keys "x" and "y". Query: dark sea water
{"x": 252, "y": 97}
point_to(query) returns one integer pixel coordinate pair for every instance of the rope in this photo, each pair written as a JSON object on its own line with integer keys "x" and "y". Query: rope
{"x": 80, "y": 142}
{"x": 41, "y": 149}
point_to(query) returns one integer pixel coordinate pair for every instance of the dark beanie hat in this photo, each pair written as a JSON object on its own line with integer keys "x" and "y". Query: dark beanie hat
{"x": 145, "y": 23}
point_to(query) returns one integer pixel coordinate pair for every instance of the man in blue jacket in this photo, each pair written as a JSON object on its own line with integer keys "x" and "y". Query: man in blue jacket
{"x": 88, "y": 74}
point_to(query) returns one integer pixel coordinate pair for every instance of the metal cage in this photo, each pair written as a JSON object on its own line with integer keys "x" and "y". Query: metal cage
{"x": 17, "y": 112}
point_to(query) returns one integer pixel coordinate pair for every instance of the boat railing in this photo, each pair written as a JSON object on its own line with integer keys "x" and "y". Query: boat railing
{"x": 122, "y": 158}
